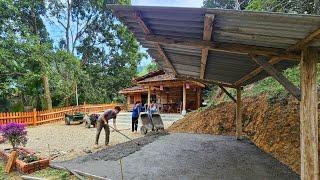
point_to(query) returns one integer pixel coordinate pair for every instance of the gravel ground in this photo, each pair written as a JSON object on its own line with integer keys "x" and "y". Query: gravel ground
{"x": 68, "y": 142}
{"x": 186, "y": 156}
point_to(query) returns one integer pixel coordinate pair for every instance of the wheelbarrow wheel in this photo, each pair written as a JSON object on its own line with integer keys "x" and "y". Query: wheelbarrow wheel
{"x": 87, "y": 124}
{"x": 143, "y": 130}
{"x": 67, "y": 120}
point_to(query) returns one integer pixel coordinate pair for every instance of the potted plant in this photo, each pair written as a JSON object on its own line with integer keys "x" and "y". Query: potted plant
{"x": 27, "y": 160}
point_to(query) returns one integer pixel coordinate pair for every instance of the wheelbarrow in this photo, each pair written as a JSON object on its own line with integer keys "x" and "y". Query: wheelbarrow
{"x": 153, "y": 123}
{"x": 90, "y": 120}
{"x": 76, "y": 117}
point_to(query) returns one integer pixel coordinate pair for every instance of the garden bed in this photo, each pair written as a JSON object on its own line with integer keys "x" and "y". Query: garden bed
{"x": 27, "y": 161}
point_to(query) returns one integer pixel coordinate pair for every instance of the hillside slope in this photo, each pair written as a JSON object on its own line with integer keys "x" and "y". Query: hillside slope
{"x": 272, "y": 124}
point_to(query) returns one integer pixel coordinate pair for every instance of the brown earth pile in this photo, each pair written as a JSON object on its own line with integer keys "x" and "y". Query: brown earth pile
{"x": 272, "y": 124}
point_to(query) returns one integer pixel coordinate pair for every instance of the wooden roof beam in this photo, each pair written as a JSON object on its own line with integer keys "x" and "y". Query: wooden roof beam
{"x": 227, "y": 47}
{"x": 137, "y": 16}
{"x": 292, "y": 89}
{"x": 305, "y": 41}
{"x": 165, "y": 58}
{"x": 205, "y": 81}
{"x": 272, "y": 61}
{"x": 207, "y": 33}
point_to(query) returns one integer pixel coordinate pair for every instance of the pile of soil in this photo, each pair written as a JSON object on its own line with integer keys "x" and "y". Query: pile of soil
{"x": 272, "y": 124}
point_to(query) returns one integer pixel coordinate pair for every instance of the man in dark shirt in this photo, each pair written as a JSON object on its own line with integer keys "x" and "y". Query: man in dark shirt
{"x": 135, "y": 115}
{"x": 102, "y": 122}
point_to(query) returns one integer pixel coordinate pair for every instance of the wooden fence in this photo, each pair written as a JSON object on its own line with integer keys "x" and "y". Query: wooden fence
{"x": 39, "y": 117}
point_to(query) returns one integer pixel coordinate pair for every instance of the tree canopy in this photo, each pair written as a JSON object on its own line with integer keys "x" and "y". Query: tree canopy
{"x": 95, "y": 58}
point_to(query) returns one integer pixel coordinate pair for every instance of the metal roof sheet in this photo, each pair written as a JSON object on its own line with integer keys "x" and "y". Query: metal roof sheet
{"x": 261, "y": 29}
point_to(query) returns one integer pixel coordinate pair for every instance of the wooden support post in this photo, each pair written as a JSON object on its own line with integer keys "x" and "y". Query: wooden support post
{"x": 239, "y": 115}
{"x": 184, "y": 99}
{"x": 11, "y": 161}
{"x": 309, "y": 116}
{"x": 149, "y": 96}
{"x": 34, "y": 118}
{"x": 199, "y": 97}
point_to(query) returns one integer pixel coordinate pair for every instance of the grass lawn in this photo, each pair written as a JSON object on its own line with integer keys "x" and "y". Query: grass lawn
{"x": 48, "y": 173}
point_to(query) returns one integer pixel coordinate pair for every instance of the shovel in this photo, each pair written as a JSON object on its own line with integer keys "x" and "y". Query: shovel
{"x": 124, "y": 135}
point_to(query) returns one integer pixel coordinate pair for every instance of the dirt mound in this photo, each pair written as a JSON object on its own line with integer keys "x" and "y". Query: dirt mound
{"x": 271, "y": 123}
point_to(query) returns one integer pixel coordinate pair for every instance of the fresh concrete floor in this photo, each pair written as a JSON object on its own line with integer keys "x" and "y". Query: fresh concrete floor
{"x": 188, "y": 156}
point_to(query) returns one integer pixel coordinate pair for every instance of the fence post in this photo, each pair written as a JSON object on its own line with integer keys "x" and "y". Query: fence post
{"x": 34, "y": 116}
{"x": 84, "y": 107}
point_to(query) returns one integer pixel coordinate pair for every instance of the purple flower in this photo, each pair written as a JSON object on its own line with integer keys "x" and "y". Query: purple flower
{"x": 15, "y": 133}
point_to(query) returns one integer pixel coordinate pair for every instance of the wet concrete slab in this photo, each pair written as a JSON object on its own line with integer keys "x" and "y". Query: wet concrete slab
{"x": 184, "y": 156}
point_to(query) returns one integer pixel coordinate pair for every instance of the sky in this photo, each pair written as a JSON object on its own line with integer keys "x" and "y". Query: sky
{"x": 56, "y": 32}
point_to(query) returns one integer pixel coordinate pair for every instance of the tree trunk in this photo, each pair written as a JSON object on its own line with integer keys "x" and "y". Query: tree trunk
{"x": 316, "y": 7}
{"x": 68, "y": 25}
{"x": 47, "y": 92}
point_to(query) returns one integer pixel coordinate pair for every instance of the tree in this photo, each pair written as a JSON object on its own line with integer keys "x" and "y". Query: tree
{"x": 292, "y": 6}
{"x": 109, "y": 53}
{"x": 226, "y": 4}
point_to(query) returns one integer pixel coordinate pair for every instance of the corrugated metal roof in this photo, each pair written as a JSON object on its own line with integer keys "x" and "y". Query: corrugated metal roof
{"x": 272, "y": 30}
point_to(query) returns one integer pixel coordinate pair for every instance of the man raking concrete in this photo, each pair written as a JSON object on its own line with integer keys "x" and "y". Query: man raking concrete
{"x": 102, "y": 122}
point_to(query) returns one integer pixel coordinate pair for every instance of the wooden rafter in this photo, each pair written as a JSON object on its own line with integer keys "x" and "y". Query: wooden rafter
{"x": 207, "y": 33}
{"x": 256, "y": 71}
{"x": 227, "y": 47}
{"x": 279, "y": 77}
{"x": 165, "y": 58}
{"x": 305, "y": 41}
{"x": 274, "y": 60}
{"x": 205, "y": 81}
{"x": 137, "y": 16}
{"x": 227, "y": 93}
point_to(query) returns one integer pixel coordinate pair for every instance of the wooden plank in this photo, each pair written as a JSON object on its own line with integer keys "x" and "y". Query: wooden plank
{"x": 305, "y": 41}
{"x": 137, "y": 16}
{"x": 239, "y": 115}
{"x": 149, "y": 96}
{"x": 184, "y": 99}
{"x": 204, "y": 81}
{"x": 11, "y": 161}
{"x": 227, "y": 47}
{"x": 309, "y": 116}
{"x": 90, "y": 175}
{"x": 279, "y": 77}
{"x": 273, "y": 60}
{"x": 227, "y": 93}
{"x": 31, "y": 178}
{"x": 207, "y": 33}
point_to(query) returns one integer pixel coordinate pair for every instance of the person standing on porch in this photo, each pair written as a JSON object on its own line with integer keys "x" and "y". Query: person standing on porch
{"x": 102, "y": 122}
{"x": 135, "y": 115}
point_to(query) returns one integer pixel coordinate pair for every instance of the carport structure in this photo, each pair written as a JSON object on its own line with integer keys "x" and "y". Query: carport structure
{"x": 233, "y": 49}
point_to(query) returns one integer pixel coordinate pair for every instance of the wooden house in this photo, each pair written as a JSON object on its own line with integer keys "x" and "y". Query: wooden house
{"x": 171, "y": 94}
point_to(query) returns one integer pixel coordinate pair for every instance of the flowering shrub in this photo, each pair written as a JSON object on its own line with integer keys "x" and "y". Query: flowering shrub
{"x": 15, "y": 133}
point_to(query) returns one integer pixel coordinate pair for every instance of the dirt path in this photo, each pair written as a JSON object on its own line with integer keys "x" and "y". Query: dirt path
{"x": 187, "y": 156}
